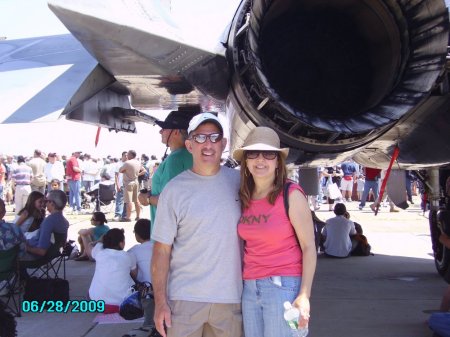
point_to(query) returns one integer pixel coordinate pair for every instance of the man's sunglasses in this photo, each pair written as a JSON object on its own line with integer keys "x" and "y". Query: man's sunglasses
{"x": 201, "y": 138}
{"x": 269, "y": 155}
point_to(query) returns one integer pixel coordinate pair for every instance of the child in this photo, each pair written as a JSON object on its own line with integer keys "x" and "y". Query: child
{"x": 360, "y": 186}
{"x": 90, "y": 236}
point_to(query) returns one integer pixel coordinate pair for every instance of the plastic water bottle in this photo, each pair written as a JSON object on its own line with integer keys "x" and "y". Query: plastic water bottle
{"x": 291, "y": 315}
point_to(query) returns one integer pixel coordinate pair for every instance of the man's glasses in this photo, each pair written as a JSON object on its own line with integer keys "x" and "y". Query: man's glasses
{"x": 201, "y": 138}
{"x": 269, "y": 155}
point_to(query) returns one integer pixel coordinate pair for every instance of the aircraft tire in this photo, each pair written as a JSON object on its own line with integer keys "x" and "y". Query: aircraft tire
{"x": 440, "y": 219}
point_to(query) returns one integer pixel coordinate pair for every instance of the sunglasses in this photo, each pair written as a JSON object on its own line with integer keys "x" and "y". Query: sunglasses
{"x": 269, "y": 155}
{"x": 201, "y": 138}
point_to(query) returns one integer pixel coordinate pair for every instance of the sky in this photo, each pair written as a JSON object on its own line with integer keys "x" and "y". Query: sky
{"x": 31, "y": 18}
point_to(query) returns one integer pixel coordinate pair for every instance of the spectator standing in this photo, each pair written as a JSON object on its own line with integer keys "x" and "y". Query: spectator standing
{"x": 131, "y": 170}
{"x": 73, "y": 175}
{"x": 196, "y": 263}
{"x": 90, "y": 170}
{"x": 372, "y": 177}
{"x": 279, "y": 249}
{"x": 37, "y": 164}
{"x": 349, "y": 171}
{"x": 21, "y": 176}
{"x": 2, "y": 176}
{"x": 120, "y": 211}
{"x": 54, "y": 169}
{"x": 174, "y": 134}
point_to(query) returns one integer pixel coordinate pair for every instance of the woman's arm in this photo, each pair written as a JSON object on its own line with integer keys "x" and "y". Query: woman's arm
{"x": 22, "y": 217}
{"x": 301, "y": 219}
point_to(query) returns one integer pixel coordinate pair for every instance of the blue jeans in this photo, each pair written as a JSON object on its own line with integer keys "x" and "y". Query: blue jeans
{"x": 440, "y": 323}
{"x": 120, "y": 209}
{"x": 74, "y": 194}
{"x": 369, "y": 184}
{"x": 262, "y": 306}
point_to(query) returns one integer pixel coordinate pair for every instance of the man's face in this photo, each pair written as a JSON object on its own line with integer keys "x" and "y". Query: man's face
{"x": 51, "y": 159}
{"x": 208, "y": 153}
{"x": 165, "y": 133}
{"x": 124, "y": 157}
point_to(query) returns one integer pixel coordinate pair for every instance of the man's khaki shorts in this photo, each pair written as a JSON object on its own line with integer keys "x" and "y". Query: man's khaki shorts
{"x": 197, "y": 319}
{"x": 131, "y": 192}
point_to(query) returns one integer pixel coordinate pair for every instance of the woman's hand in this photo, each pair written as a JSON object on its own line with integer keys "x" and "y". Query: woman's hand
{"x": 302, "y": 303}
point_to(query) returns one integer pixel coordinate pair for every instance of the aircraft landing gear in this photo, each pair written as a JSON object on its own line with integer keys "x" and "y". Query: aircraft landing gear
{"x": 440, "y": 221}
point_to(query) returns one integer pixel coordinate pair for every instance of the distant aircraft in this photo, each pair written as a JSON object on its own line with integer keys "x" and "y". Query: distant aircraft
{"x": 335, "y": 79}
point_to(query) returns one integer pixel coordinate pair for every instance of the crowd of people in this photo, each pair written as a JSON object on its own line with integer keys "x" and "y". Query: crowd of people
{"x": 230, "y": 274}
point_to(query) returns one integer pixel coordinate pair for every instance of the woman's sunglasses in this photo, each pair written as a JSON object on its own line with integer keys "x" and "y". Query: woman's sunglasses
{"x": 269, "y": 155}
{"x": 201, "y": 138}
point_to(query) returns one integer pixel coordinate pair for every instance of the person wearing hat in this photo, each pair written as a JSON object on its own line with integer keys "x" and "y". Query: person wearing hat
{"x": 173, "y": 133}
{"x": 279, "y": 250}
{"x": 196, "y": 263}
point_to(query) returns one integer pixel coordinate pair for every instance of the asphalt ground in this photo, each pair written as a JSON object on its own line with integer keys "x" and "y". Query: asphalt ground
{"x": 380, "y": 295}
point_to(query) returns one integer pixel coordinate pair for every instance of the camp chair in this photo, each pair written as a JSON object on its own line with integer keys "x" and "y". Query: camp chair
{"x": 50, "y": 264}
{"x": 105, "y": 197}
{"x": 9, "y": 278}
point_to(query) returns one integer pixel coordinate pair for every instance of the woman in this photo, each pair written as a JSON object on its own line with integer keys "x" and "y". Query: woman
{"x": 114, "y": 270}
{"x": 280, "y": 253}
{"x": 89, "y": 237}
{"x": 30, "y": 217}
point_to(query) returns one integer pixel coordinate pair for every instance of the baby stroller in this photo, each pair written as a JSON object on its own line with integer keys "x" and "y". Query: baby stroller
{"x": 86, "y": 200}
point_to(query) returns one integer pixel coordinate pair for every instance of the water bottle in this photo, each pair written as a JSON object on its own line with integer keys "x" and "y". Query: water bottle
{"x": 291, "y": 315}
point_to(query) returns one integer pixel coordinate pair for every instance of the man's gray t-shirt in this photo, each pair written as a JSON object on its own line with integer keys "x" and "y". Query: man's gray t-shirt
{"x": 198, "y": 216}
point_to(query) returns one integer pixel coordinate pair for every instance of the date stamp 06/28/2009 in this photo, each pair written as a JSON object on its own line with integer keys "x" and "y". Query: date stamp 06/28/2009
{"x": 71, "y": 306}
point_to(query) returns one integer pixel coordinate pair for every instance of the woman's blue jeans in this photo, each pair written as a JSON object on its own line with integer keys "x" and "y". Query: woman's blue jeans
{"x": 262, "y": 306}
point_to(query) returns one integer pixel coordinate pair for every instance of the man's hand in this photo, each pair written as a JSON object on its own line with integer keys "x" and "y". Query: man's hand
{"x": 162, "y": 316}
{"x": 143, "y": 199}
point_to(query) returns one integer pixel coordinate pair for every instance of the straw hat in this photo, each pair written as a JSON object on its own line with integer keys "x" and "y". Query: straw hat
{"x": 263, "y": 139}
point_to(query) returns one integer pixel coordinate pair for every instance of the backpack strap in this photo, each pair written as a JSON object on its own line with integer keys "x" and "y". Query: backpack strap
{"x": 286, "y": 197}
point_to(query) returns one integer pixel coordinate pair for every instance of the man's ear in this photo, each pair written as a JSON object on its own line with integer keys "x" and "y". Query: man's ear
{"x": 188, "y": 144}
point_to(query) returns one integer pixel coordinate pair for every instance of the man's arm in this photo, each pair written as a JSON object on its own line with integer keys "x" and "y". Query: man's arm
{"x": 160, "y": 272}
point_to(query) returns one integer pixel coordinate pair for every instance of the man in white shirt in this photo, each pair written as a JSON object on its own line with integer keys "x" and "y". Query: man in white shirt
{"x": 54, "y": 169}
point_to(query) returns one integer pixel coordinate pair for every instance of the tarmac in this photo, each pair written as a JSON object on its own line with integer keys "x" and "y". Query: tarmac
{"x": 380, "y": 295}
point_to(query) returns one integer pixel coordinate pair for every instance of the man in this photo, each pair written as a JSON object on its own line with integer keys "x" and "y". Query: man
{"x": 21, "y": 176}
{"x": 349, "y": 171}
{"x": 2, "y": 176}
{"x": 90, "y": 170}
{"x": 196, "y": 263}
{"x": 54, "y": 170}
{"x": 371, "y": 182}
{"x": 174, "y": 134}
{"x": 10, "y": 234}
{"x": 37, "y": 164}
{"x": 55, "y": 224}
{"x": 120, "y": 211}
{"x": 131, "y": 169}
{"x": 73, "y": 175}
{"x": 337, "y": 233}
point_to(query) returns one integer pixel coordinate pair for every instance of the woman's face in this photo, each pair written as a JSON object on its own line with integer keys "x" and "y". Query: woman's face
{"x": 39, "y": 203}
{"x": 263, "y": 165}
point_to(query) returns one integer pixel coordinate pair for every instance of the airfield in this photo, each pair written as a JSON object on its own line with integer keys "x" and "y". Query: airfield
{"x": 381, "y": 295}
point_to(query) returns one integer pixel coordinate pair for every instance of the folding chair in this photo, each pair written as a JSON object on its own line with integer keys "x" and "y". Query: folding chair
{"x": 9, "y": 278}
{"x": 50, "y": 264}
{"x": 105, "y": 197}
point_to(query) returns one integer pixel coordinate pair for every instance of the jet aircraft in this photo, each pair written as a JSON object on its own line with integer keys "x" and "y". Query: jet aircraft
{"x": 335, "y": 79}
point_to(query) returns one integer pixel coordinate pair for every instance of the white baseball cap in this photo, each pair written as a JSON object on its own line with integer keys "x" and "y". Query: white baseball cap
{"x": 203, "y": 118}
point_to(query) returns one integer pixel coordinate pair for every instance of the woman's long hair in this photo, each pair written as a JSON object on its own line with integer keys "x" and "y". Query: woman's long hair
{"x": 248, "y": 184}
{"x": 37, "y": 214}
{"x": 113, "y": 238}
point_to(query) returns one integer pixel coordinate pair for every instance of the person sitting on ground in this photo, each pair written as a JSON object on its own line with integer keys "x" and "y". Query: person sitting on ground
{"x": 439, "y": 322}
{"x": 30, "y": 217}
{"x": 114, "y": 270}
{"x": 143, "y": 254}
{"x": 337, "y": 233}
{"x": 89, "y": 237}
{"x": 55, "y": 223}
